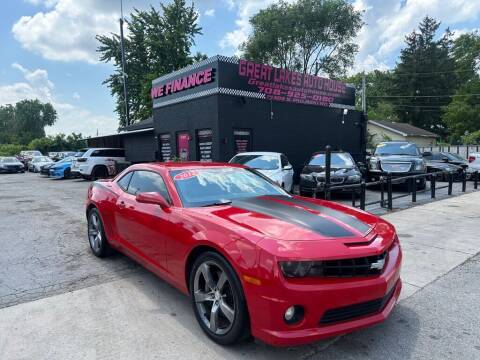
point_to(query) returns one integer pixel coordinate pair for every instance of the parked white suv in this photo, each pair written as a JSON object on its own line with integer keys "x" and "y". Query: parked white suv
{"x": 95, "y": 162}
{"x": 473, "y": 163}
{"x": 273, "y": 165}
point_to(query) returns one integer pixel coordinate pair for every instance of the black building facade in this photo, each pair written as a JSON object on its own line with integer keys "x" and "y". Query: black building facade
{"x": 216, "y": 108}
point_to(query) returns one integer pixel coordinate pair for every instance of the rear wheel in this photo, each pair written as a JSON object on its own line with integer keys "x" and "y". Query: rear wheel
{"x": 67, "y": 174}
{"x": 99, "y": 172}
{"x": 96, "y": 234}
{"x": 217, "y": 299}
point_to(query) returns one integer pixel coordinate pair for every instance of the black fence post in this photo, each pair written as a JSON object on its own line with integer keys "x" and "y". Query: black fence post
{"x": 475, "y": 180}
{"x": 464, "y": 180}
{"x": 362, "y": 195}
{"x": 433, "y": 178}
{"x": 354, "y": 196}
{"x": 389, "y": 192}
{"x": 414, "y": 189}
{"x": 382, "y": 192}
{"x": 328, "y": 162}
{"x": 450, "y": 183}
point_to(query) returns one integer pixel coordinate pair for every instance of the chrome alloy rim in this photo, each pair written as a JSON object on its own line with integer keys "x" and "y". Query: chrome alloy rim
{"x": 95, "y": 232}
{"x": 214, "y": 297}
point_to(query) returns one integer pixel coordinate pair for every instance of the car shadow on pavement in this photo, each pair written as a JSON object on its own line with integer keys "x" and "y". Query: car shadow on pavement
{"x": 392, "y": 339}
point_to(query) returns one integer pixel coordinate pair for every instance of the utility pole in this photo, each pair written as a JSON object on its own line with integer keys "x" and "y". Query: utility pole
{"x": 364, "y": 95}
{"x": 124, "y": 74}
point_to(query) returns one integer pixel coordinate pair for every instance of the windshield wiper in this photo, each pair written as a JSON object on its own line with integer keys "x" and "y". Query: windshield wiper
{"x": 219, "y": 203}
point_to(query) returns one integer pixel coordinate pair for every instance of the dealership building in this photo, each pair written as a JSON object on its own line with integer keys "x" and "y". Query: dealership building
{"x": 213, "y": 109}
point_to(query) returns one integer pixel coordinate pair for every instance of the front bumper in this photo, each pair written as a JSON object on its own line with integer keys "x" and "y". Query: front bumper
{"x": 57, "y": 173}
{"x": 268, "y": 303}
{"x": 375, "y": 175}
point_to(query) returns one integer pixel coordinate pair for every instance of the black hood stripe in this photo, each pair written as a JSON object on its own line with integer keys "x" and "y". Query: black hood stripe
{"x": 350, "y": 220}
{"x": 293, "y": 215}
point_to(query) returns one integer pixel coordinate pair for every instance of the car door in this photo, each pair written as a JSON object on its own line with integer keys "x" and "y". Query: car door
{"x": 287, "y": 172}
{"x": 142, "y": 226}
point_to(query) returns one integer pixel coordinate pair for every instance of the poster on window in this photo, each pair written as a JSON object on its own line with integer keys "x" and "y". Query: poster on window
{"x": 183, "y": 147}
{"x": 166, "y": 147}
{"x": 204, "y": 141}
{"x": 242, "y": 139}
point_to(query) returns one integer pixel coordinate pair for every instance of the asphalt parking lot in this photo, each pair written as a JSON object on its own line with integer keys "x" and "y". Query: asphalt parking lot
{"x": 88, "y": 308}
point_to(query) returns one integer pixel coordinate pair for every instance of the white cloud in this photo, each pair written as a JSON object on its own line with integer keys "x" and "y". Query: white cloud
{"x": 71, "y": 118}
{"x": 209, "y": 12}
{"x": 66, "y": 32}
{"x": 387, "y": 24}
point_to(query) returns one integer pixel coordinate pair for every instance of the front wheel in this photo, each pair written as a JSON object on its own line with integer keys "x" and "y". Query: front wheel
{"x": 217, "y": 299}
{"x": 96, "y": 234}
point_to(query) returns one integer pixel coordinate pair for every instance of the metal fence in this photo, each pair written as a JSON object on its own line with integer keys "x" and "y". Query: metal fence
{"x": 385, "y": 184}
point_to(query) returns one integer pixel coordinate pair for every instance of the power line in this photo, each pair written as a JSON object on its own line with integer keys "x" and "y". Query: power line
{"x": 420, "y": 96}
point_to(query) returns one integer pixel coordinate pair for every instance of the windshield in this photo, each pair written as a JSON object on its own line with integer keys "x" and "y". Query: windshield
{"x": 210, "y": 186}
{"x": 397, "y": 149}
{"x": 42, "y": 159}
{"x": 8, "y": 160}
{"x": 259, "y": 162}
{"x": 453, "y": 157}
{"x": 79, "y": 154}
{"x": 338, "y": 160}
{"x": 67, "y": 159}
{"x": 33, "y": 153}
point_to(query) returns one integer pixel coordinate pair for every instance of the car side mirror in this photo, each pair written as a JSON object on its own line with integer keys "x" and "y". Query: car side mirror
{"x": 445, "y": 159}
{"x": 288, "y": 167}
{"x": 152, "y": 198}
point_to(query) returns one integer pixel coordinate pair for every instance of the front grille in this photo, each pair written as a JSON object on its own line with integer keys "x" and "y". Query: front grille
{"x": 333, "y": 180}
{"x": 396, "y": 167}
{"x": 364, "y": 266}
{"x": 356, "y": 310}
{"x": 13, "y": 167}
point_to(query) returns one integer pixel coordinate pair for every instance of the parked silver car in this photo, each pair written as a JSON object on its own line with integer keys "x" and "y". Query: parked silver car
{"x": 37, "y": 162}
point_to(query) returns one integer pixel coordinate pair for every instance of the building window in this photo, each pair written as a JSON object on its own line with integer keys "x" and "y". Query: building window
{"x": 242, "y": 139}
{"x": 204, "y": 145}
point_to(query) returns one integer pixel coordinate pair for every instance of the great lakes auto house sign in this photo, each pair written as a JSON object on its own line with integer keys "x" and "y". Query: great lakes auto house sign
{"x": 230, "y": 76}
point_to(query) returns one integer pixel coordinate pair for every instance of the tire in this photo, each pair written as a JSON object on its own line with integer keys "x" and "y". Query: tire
{"x": 232, "y": 321}
{"x": 96, "y": 235}
{"x": 99, "y": 172}
{"x": 67, "y": 174}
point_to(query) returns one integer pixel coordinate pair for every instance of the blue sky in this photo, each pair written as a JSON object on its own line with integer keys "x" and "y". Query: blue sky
{"x": 47, "y": 47}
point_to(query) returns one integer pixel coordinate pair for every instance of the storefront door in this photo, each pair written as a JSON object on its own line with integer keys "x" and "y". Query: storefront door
{"x": 242, "y": 140}
{"x": 183, "y": 146}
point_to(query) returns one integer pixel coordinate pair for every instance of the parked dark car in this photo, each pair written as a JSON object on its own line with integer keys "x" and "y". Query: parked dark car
{"x": 445, "y": 162}
{"x": 10, "y": 164}
{"x": 398, "y": 158}
{"x": 25, "y": 156}
{"x": 343, "y": 171}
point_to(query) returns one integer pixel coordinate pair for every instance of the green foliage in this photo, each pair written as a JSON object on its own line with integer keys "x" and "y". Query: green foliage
{"x": 425, "y": 71}
{"x": 58, "y": 142}
{"x": 10, "y": 149}
{"x": 158, "y": 42}
{"x": 382, "y": 111}
{"x": 310, "y": 36}
{"x": 462, "y": 115}
{"x": 24, "y": 121}
{"x": 472, "y": 138}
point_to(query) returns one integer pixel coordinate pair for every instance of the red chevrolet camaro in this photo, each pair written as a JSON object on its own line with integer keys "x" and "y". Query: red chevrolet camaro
{"x": 254, "y": 259}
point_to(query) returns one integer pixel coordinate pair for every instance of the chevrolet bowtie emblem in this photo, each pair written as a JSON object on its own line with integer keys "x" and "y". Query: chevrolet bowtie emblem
{"x": 378, "y": 265}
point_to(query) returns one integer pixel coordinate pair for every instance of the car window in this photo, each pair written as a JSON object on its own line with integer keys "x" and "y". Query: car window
{"x": 337, "y": 160}
{"x": 284, "y": 160}
{"x": 147, "y": 181}
{"x": 435, "y": 156}
{"x": 397, "y": 149}
{"x": 259, "y": 162}
{"x": 125, "y": 180}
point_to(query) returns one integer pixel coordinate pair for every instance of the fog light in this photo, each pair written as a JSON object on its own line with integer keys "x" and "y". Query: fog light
{"x": 293, "y": 314}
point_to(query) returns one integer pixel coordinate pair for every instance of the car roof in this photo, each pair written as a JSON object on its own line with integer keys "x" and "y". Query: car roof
{"x": 259, "y": 153}
{"x": 185, "y": 165}
{"x": 103, "y": 149}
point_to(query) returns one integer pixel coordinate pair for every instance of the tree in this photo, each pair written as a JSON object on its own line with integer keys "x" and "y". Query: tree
{"x": 158, "y": 42}
{"x": 310, "y": 36}
{"x": 377, "y": 84}
{"x": 466, "y": 54}
{"x": 25, "y": 121}
{"x": 424, "y": 77}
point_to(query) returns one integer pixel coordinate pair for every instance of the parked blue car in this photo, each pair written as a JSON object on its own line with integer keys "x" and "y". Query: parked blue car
{"x": 61, "y": 169}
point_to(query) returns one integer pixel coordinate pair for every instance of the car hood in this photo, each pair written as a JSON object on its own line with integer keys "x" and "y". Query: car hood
{"x": 292, "y": 219}
{"x": 12, "y": 163}
{"x": 320, "y": 171}
{"x": 443, "y": 166}
{"x": 397, "y": 157}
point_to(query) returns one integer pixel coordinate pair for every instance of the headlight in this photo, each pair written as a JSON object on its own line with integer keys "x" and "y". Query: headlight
{"x": 354, "y": 178}
{"x": 374, "y": 164}
{"x": 306, "y": 177}
{"x": 419, "y": 165}
{"x": 298, "y": 269}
